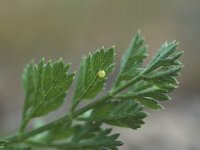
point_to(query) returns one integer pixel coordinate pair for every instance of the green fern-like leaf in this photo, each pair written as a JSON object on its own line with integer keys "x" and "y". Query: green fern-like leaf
{"x": 132, "y": 60}
{"x": 89, "y": 84}
{"x": 137, "y": 86}
{"x": 157, "y": 79}
{"x": 45, "y": 87}
{"x": 124, "y": 113}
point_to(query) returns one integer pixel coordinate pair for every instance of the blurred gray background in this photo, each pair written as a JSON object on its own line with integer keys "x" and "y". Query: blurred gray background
{"x": 31, "y": 29}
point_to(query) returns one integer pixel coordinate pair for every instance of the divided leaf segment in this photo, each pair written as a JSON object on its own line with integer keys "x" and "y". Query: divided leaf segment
{"x": 135, "y": 87}
{"x": 90, "y": 82}
{"x": 45, "y": 87}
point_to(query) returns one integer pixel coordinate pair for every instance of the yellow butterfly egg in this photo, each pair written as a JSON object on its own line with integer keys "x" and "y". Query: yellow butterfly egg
{"x": 101, "y": 74}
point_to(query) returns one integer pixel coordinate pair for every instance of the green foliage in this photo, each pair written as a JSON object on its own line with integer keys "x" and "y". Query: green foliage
{"x": 90, "y": 136}
{"x": 120, "y": 113}
{"x": 45, "y": 88}
{"x": 157, "y": 79}
{"x": 132, "y": 60}
{"x": 89, "y": 84}
{"x": 136, "y": 86}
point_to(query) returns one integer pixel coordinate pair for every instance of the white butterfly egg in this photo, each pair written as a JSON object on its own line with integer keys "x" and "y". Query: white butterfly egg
{"x": 101, "y": 74}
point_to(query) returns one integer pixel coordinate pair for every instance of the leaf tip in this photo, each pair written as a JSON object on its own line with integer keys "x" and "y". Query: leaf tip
{"x": 139, "y": 31}
{"x": 114, "y": 46}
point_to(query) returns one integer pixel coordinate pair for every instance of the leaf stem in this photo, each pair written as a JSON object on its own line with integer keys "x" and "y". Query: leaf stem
{"x": 23, "y": 125}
